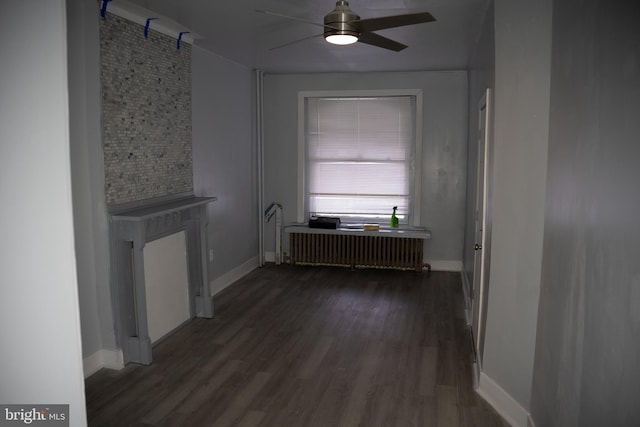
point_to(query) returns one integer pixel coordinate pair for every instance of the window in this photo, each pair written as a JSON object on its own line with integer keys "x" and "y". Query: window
{"x": 359, "y": 156}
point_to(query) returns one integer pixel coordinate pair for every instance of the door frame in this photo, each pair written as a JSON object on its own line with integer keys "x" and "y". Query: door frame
{"x": 480, "y": 284}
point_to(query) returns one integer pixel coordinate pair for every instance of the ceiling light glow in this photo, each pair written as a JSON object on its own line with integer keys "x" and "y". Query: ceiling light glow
{"x": 341, "y": 39}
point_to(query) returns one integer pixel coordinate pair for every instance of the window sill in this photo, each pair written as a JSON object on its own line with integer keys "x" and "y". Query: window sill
{"x": 351, "y": 229}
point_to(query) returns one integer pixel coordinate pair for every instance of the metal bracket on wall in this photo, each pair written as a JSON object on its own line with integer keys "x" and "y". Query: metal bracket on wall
{"x": 103, "y": 9}
{"x": 146, "y": 27}
{"x": 180, "y": 38}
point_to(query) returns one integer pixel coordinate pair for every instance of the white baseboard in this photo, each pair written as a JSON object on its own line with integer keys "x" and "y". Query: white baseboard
{"x": 231, "y": 276}
{"x": 502, "y": 402}
{"x": 445, "y": 265}
{"x": 111, "y": 359}
{"x": 466, "y": 291}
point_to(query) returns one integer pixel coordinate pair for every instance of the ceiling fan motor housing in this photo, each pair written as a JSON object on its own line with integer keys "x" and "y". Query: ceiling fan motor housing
{"x": 340, "y": 21}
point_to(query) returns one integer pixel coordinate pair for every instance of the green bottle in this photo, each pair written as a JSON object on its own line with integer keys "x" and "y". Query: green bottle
{"x": 394, "y": 219}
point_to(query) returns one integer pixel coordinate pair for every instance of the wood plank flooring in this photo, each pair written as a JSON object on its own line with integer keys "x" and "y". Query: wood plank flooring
{"x": 308, "y": 346}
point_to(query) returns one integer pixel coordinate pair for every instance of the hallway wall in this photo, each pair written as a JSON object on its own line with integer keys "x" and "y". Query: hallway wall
{"x": 521, "y": 123}
{"x": 587, "y": 349}
{"x": 41, "y": 350}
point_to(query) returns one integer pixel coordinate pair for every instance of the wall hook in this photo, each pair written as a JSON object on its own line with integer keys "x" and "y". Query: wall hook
{"x": 146, "y": 27}
{"x": 103, "y": 9}
{"x": 180, "y": 38}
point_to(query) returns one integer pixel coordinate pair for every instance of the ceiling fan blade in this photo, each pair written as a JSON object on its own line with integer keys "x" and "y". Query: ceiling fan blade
{"x": 296, "y": 41}
{"x": 379, "y": 41}
{"x": 266, "y": 12}
{"x": 373, "y": 24}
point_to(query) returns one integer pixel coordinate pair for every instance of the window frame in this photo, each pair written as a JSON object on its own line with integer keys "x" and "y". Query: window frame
{"x": 416, "y": 193}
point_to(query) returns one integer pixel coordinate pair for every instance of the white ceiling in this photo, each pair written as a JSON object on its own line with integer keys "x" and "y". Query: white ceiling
{"x": 235, "y": 30}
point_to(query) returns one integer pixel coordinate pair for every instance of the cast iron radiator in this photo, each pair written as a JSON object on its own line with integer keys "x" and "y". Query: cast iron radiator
{"x": 357, "y": 251}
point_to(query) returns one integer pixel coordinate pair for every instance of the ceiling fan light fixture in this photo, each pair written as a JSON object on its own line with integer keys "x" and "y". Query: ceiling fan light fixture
{"x": 339, "y": 28}
{"x": 341, "y": 39}
{"x": 344, "y": 27}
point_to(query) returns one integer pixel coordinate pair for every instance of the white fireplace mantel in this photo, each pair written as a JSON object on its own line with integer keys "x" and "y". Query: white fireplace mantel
{"x": 131, "y": 227}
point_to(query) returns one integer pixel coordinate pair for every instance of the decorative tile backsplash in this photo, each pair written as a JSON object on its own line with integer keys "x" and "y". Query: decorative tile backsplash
{"x": 146, "y": 103}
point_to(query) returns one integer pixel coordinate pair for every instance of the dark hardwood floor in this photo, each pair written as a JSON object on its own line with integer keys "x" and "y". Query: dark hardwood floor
{"x": 308, "y": 346}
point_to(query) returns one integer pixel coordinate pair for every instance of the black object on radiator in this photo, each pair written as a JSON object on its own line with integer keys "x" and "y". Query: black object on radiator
{"x": 326, "y": 222}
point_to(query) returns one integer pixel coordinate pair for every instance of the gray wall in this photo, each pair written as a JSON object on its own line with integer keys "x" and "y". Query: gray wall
{"x": 87, "y": 173}
{"x": 39, "y": 321}
{"x": 224, "y": 158}
{"x": 587, "y": 349}
{"x": 444, "y": 146}
{"x": 481, "y": 77}
{"x": 522, "y": 74}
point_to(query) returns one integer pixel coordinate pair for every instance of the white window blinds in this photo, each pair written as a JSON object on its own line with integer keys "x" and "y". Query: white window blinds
{"x": 360, "y": 155}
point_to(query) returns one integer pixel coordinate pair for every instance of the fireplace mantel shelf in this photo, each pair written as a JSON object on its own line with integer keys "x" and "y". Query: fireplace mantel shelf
{"x": 147, "y": 212}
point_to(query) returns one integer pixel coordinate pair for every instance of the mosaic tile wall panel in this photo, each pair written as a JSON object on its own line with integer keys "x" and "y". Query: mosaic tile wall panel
{"x": 146, "y": 98}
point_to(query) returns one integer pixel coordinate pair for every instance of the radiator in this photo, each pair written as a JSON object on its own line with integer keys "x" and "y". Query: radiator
{"x": 356, "y": 251}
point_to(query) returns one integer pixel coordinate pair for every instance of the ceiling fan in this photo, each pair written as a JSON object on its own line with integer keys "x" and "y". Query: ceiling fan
{"x": 342, "y": 26}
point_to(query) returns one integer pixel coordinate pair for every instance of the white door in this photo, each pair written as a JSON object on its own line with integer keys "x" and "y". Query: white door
{"x": 479, "y": 290}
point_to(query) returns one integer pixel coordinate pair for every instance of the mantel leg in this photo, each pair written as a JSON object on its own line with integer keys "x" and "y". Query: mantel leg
{"x": 140, "y": 345}
{"x": 203, "y": 299}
